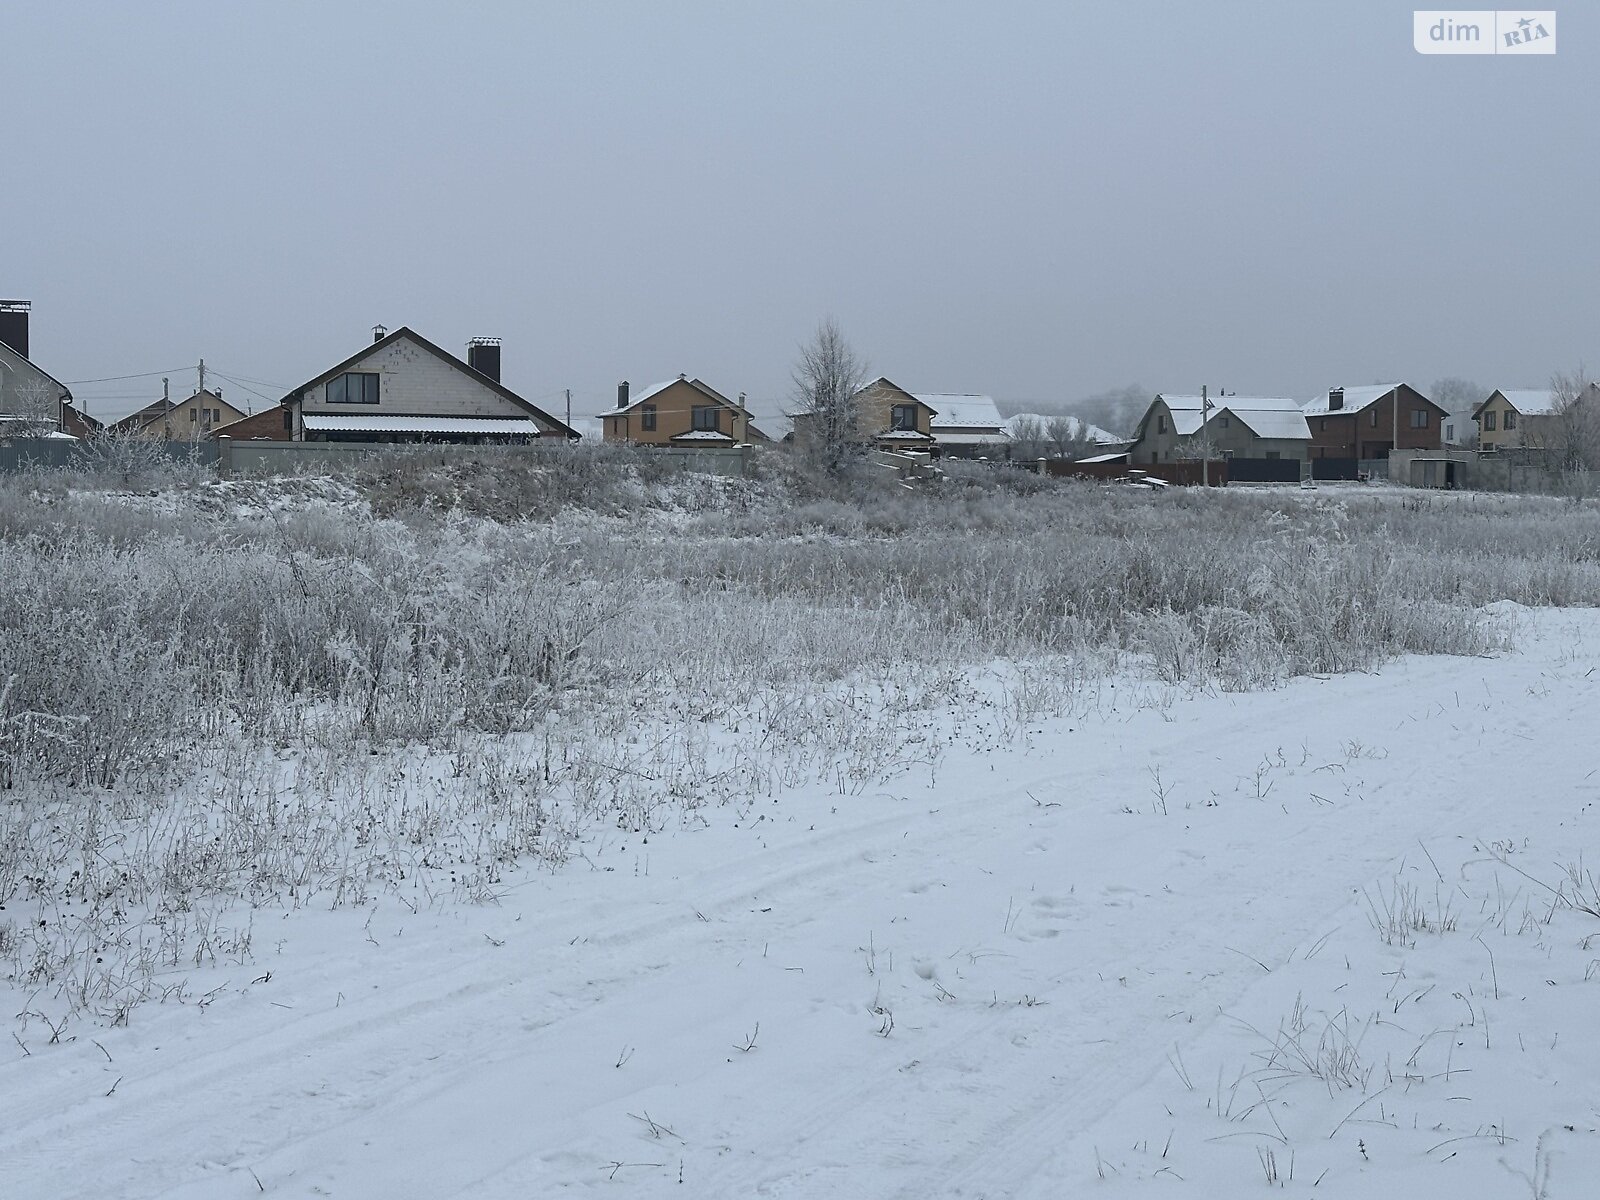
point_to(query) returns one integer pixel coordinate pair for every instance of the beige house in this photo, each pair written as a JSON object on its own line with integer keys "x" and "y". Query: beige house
{"x": 1515, "y": 418}
{"x": 403, "y": 388}
{"x": 887, "y": 416}
{"x": 187, "y": 420}
{"x": 679, "y": 412}
{"x": 893, "y": 417}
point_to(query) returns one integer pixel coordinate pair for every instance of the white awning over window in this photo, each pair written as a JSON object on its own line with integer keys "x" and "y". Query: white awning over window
{"x": 447, "y": 426}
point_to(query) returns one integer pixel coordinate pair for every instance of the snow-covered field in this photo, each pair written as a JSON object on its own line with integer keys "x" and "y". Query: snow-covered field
{"x": 1320, "y": 938}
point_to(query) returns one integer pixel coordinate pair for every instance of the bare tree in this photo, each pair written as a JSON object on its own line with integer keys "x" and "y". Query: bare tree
{"x": 1199, "y": 446}
{"x": 35, "y": 409}
{"x": 827, "y": 413}
{"x": 1069, "y": 437}
{"x": 1574, "y": 431}
{"x": 1030, "y": 437}
{"x": 1117, "y": 409}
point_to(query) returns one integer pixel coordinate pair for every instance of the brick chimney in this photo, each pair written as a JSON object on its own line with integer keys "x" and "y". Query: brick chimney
{"x": 14, "y": 324}
{"x": 622, "y": 394}
{"x": 1335, "y": 399}
{"x": 483, "y": 356}
{"x": 379, "y": 332}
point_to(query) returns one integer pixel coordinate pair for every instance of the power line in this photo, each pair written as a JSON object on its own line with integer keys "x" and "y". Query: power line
{"x": 243, "y": 379}
{"x": 244, "y": 387}
{"x": 116, "y": 378}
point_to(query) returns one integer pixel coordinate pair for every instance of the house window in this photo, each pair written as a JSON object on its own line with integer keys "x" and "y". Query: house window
{"x": 1273, "y": 454}
{"x": 194, "y": 416}
{"x": 354, "y": 387}
{"x": 647, "y": 418}
{"x": 1372, "y": 418}
{"x": 1511, "y": 420}
{"x": 707, "y": 417}
{"x": 1488, "y": 421}
{"x": 1323, "y": 427}
{"x": 1224, "y": 422}
{"x": 903, "y": 416}
{"x": 1419, "y": 418}
{"x": 1161, "y": 424}
{"x": 288, "y": 418}
{"x": 1449, "y": 433}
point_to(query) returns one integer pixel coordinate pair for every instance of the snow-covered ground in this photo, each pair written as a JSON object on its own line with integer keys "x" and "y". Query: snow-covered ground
{"x": 1320, "y": 937}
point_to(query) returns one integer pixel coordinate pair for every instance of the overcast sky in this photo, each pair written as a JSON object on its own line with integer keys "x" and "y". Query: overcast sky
{"x": 1038, "y": 200}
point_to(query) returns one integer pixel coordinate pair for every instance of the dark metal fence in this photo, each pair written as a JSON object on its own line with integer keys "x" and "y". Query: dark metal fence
{"x": 1264, "y": 470}
{"x": 1335, "y": 468}
{"x": 22, "y": 454}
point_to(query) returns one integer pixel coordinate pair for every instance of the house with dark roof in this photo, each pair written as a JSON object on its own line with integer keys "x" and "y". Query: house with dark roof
{"x": 187, "y": 420}
{"x": 33, "y": 403}
{"x": 1355, "y": 423}
{"x": 403, "y": 388}
{"x": 678, "y": 412}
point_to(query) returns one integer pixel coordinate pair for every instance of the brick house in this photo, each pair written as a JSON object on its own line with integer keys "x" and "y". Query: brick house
{"x": 403, "y": 388}
{"x": 273, "y": 424}
{"x": 1367, "y": 422}
{"x": 679, "y": 412}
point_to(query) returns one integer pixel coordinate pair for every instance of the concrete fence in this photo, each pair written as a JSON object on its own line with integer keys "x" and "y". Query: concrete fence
{"x": 260, "y": 457}
{"x": 1513, "y": 470}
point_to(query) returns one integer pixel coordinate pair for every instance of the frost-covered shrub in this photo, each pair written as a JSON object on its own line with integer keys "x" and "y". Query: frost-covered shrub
{"x": 265, "y": 692}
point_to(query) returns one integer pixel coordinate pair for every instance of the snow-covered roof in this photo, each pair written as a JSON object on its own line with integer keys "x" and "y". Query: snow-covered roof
{"x": 903, "y": 435}
{"x": 702, "y": 435}
{"x": 1355, "y": 399}
{"x": 379, "y": 423}
{"x": 1283, "y": 420}
{"x": 959, "y": 410}
{"x": 947, "y": 438}
{"x": 883, "y": 383}
{"x": 1094, "y": 458}
{"x": 1076, "y": 428}
{"x": 635, "y": 399}
{"x": 1186, "y": 413}
{"x": 655, "y": 389}
{"x": 1531, "y": 402}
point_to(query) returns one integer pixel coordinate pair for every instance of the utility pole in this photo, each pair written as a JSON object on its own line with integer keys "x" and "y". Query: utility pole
{"x": 1205, "y": 435}
{"x": 202, "y": 374}
{"x": 166, "y": 409}
{"x": 569, "y": 410}
{"x": 1394, "y": 435}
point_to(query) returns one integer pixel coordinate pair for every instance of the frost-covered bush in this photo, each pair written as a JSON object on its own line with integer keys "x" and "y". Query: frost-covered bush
{"x": 260, "y": 693}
